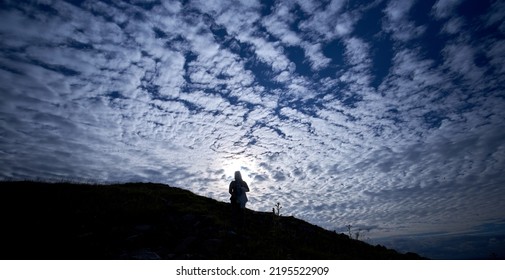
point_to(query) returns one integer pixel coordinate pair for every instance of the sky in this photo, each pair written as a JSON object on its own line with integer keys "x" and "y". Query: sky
{"x": 385, "y": 115}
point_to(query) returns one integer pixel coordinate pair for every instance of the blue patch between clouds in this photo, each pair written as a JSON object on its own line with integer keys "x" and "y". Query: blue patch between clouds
{"x": 370, "y": 23}
{"x": 219, "y": 32}
{"x": 263, "y": 73}
{"x": 433, "y": 119}
{"x": 420, "y": 12}
{"x": 474, "y": 10}
{"x": 115, "y": 95}
{"x": 433, "y": 41}
{"x": 12, "y": 70}
{"x": 79, "y": 2}
{"x": 41, "y": 7}
{"x": 382, "y": 60}
{"x": 266, "y": 7}
{"x": 335, "y": 50}
{"x": 56, "y": 68}
{"x": 297, "y": 56}
{"x": 352, "y": 101}
{"x": 145, "y": 5}
{"x": 188, "y": 58}
{"x": 79, "y": 45}
{"x": 158, "y": 33}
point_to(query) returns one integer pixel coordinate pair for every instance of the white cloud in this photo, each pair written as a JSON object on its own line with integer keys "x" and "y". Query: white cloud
{"x": 460, "y": 59}
{"x": 358, "y": 57}
{"x": 278, "y": 24}
{"x": 270, "y": 53}
{"x": 453, "y": 26}
{"x": 445, "y": 8}
{"x": 239, "y": 21}
{"x": 328, "y": 21}
{"x": 308, "y": 7}
{"x": 398, "y": 10}
{"x": 316, "y": 56}
{"x": 323, "y": 20}
{"x": 344, "y": 25}
{"x": 495, "y": 16}
{"x": 497, "y": 56}
{"x": 398, "y": 22}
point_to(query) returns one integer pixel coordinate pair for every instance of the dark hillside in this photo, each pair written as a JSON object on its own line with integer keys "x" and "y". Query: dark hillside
{"x": 151, "y": 221}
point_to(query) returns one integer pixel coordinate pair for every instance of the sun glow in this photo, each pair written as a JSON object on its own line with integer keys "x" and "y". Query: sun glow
{"x": 242, "y": 165}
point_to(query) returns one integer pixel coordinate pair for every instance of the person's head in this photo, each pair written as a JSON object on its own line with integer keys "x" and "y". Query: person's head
{"x": 238, "y": 176}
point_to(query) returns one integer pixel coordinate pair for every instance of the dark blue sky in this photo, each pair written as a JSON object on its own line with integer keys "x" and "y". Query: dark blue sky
{"x": 387, "y": 115}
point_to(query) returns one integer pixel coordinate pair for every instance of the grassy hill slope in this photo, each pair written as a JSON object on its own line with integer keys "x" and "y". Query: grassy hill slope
{"x": 151, "y": 221}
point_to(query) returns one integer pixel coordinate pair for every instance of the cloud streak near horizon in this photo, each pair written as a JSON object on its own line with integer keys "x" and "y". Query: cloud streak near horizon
{"x": 387, "y": 115}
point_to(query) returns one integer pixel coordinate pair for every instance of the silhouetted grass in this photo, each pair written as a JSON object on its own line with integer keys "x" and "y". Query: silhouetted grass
{"x": 144, "y": 220}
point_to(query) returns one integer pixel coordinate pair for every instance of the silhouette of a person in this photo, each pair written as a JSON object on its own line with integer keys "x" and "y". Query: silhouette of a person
{"x": 238, "y": 199}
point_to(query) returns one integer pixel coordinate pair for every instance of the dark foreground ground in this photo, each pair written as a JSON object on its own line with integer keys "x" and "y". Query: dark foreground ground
{"x": 154, "y": 221}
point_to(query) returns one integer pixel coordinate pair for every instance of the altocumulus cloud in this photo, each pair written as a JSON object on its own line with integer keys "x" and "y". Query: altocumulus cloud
{"x": 387, "y": 115}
